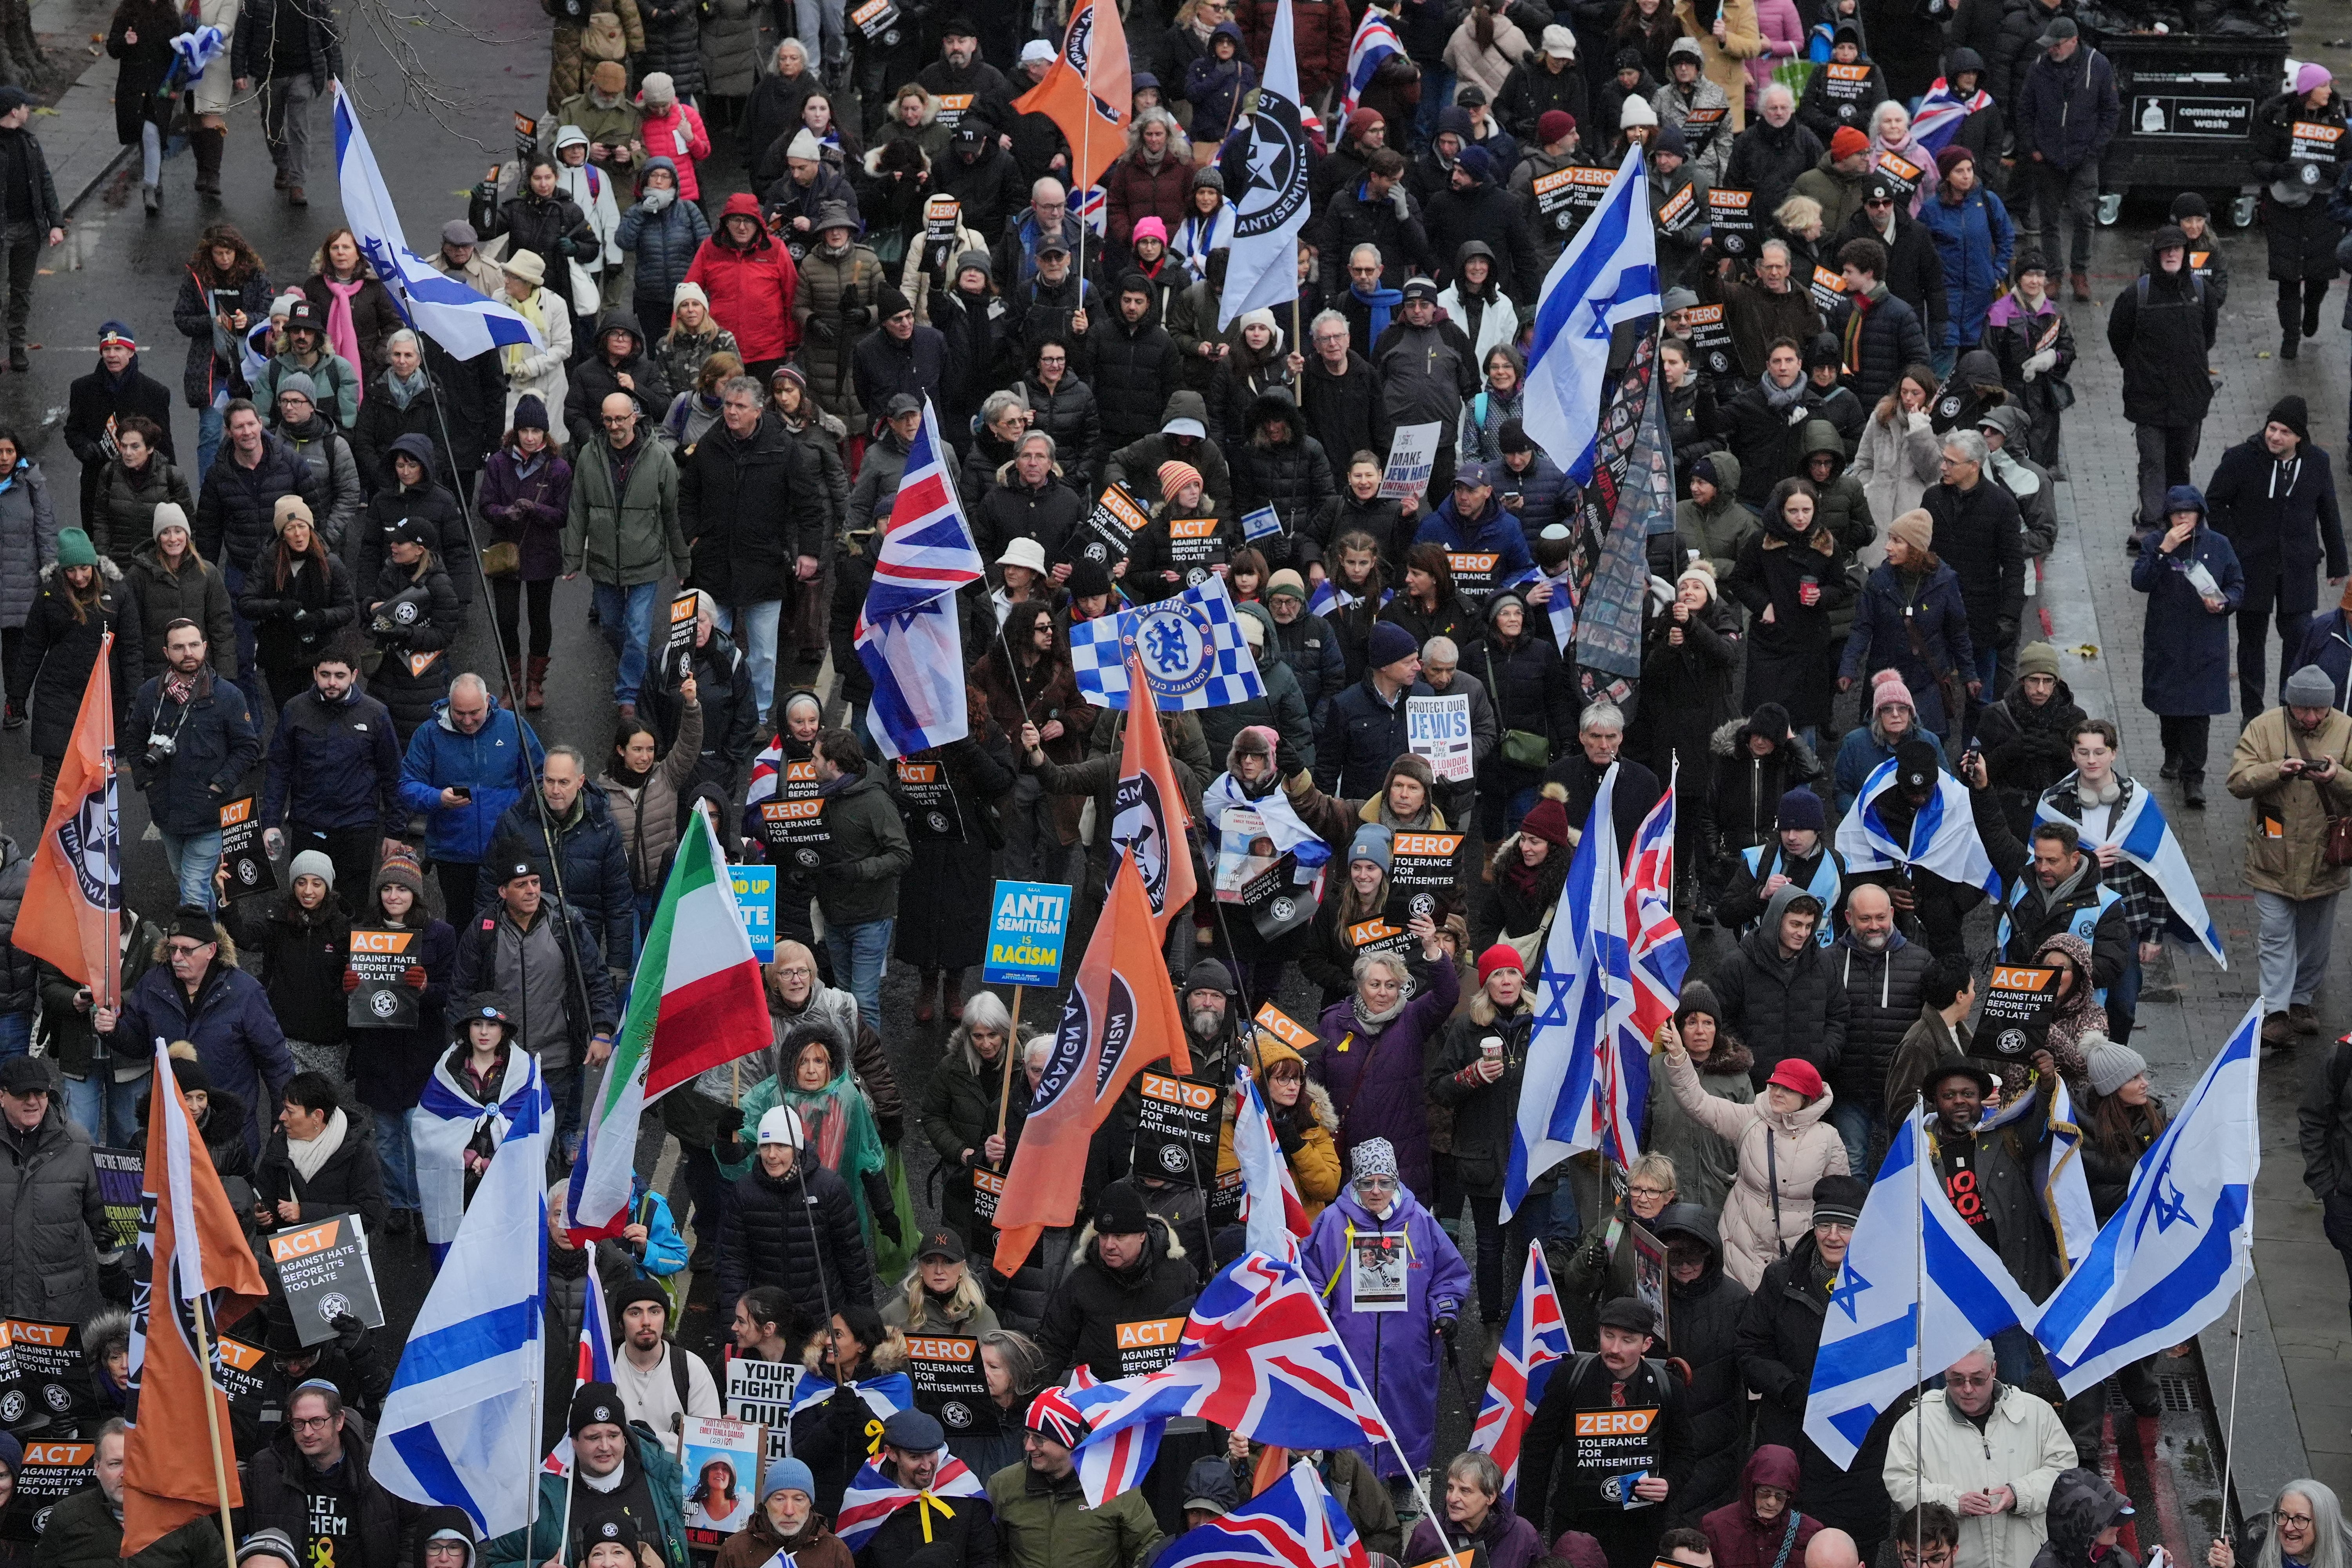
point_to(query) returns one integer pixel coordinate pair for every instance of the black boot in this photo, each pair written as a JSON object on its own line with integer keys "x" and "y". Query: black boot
{"x": 2313, "y": 293}
{"x": 2192, "y": 790}
{"x": 2289, "y": 344}
{"x": 208, "y": 143}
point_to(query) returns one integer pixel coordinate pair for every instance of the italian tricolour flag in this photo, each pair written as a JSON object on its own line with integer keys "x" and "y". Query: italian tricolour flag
{"x": 696, "y": 1002}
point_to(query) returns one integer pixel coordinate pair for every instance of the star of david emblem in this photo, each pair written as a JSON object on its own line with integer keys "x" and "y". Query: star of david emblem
{"x": 1846, "y": 1288}
{"x": 2166, "y": 1204}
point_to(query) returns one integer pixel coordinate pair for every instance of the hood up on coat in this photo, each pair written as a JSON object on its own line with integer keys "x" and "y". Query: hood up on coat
{"x": 2082, "y": 1504}
{"x": 1771, "y": 1465}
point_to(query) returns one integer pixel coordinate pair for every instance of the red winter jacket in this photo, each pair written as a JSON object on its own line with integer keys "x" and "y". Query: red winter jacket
{"x": 1320, "y": 30}
{"x": 1133, "y": 191}
{"x": 1742, "y": 1540}
{"x": 751, "y": 290}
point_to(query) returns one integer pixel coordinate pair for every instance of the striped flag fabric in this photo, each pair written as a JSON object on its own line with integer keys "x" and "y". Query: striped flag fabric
{"x": 1572, "y": 1096}
{"x": 1534, "y": 1341}
{"x": 698, "y": 1002}
{"x": 192, "y": 1257}
{"x": 2057, "y": 1168}
{"x": 1271, "y": 1207}
{"x": 443, "y": 1124}
{"x": 442, "y": 308}
{"x": 1294, "y": 1523}
{"x": 1606, "y": 276}
{"x": 927, "y": 550}
{"x": 1942, "y": 112}
{"x": 908, "y": 637}
{"x": 1376, "y": 40}
{"x": 872, "y": 1498}
{"x": 1264, "y": 166}
{"x": 595, "y": 1362}
{"x": 2143, "y": 836}
{"x": 1189, "y": 647}
{"x": 1943, "y": 836}
{"x": 1660, "y": 957}
{"x": 71, "y": 913}
{"x": 460, "y": 1427}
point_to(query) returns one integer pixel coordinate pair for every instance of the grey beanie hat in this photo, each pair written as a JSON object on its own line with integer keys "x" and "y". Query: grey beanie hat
{"x": 2309, "y": 687}
{"x": 1373, "y": 1157}
{"x": 966, "y": 259}
{"x": 297, "y": 381}
{"x": 2110, "y": 1065}
{"x": 312, "y": 863}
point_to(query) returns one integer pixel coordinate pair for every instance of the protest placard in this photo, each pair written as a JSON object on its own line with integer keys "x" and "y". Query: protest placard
{"x": 1108, "y": 535}
{"x": 380, "y": 958}
{"x": 248, "y": 866}
{"x": 950, "y": 1381}
{"x": 1412, "y": 454}
{"x": 928, "y": 803}
{"x": 792, "y": 825}
{"x": 52, "y": 1472}
{"x": 1176, "y": 1127}
{"x": 760, "y": 1393}
{"x": 1026, "y": 925}
{"x": 720, "y": 1458}
{"x": 755, "y": 906}
{"x": 325, "y": 1270}
{"x": 121, "y": 1172}
{"x": 1148, "y": 1346}
{"x": 1731, "y": 220}
{"x": 1437, "y": 729}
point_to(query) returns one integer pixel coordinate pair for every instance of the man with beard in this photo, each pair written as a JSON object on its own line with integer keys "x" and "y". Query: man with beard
{"x": 625, "y": 1478}
{"x": 610, "y": 120}
{"x": 981, "y": 176}
{"x": 1938, "y": 904}
{"x": 1883, "y": 973}
{"x": 1704, "y": 1321}
{"x": 2054, "y": 886}
{"x": 1621, "y": 1374}
{"x": 960, "y": 79}
{"x": 1182, "y": 438}
{"x": 914, "y": 1446}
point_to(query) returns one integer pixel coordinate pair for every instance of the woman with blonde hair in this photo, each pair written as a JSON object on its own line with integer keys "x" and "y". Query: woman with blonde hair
{"x": 361, "y": 316}
{"x": 693, "y": 412}
{"x": 941, "y": 1294}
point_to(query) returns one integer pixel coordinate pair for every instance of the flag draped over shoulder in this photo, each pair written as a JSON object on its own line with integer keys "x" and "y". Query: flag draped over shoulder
{"x": 1088, "y": 92}
{"x": 446, "y": 1120}
{"x": 1376, "y": 40}
{"x": 460, "y": 1427}
{"x": 873, "y": 1498}
{"x": 2142, "y": 835}
{"x": 1110, "y": 1026}
{"x": 2172, "y": 1257}
{"x": 1294, "y": 1523}
{"x": 444, "y": 309}
{"x": 1607, "y": 276}
{"x": 193, "y": 1258}
{"x": 1943, "y": 838}
{"x": 1148, "y": 820}
{"x": 71, "y": 910}
{"x": 698, "y": 1002}
{"x": 1879, "y": 1337}
{"x": 1264, "y": 168}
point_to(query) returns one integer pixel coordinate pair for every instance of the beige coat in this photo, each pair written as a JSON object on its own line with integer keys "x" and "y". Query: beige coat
{"x": 214, "y": 89}
{"x": 647, "y": 817}
{"x": 2023, "y": 1446}
{"x": 1724, "y": 63}
{"x": 2286, "y": 819}
{"x": 1895, "y": 467}
{"x": 1489, "y": 67}
{"x": 1803, "y": 1148}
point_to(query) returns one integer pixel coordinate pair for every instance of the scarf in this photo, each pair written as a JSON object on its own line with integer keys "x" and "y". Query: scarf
{"x": 115, "y": 384}
{"x": 342, "y": 333}
{"x": 1376, "y": 1022}
{"x": 1854, "y": 324}
{"x": 1779, "y": 398}
{"x": 308, "y": 1157}
{"x": 873, "y": 1498}
{"x": 178, "y": 687}
{"x": 1381, "y": 304}
{"x": 532, "y": 307}
{"x": 405, "y": 391}
{"x": 628, "y": 777}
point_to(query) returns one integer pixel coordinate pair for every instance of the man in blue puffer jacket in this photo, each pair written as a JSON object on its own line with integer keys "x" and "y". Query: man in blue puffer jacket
{"x": 463, "y": 771}
{"x": 1474, "y": 522}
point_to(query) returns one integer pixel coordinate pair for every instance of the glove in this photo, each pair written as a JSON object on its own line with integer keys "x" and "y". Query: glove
{"x": 728, "y": 1122}
{"x": 821, "y": 330}
{"x": 350, "y": 980}
{"x": 349, "y": 1333}
{"x": 858, "y": 316}
{"x": 2004, "y": 632}
{"x": 1451, "y": 1329}
{"x": 887, "y": 1222}
{"x": 2041, "y": 364}
{"x": 413, "y": 977}
{"x": 300, "y": 614}
{"x": 1397, "y": 200}
{"x": 1593, "y": 1256}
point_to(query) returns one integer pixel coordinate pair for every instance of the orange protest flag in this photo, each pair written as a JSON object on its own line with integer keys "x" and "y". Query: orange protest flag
{"x": 179, "y": 1464}
{"x": 1150, "y": 821}
{"x": 1121, "y": 1015}
{"x": 68, "y": 915}
{"x": 1089, "y": 93}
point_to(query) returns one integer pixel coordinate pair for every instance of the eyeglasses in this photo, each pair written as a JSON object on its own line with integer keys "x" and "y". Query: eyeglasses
{"x": 797, "y": 973}
{"x": 309, "y": 1423}
{"x": 2301, "y": 1521}
{"x": 1967, "y": 1380}
{"x": 1878, "y": 201}
{"x": 1645, "y": 1191}
{"x": 186, "y": 950}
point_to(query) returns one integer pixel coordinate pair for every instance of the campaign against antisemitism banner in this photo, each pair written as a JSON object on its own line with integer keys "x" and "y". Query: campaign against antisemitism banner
{"x": 121, "y": 1174}
{"x": 1412, "y": 455}
{"x": 41, "y": 1370}
{"x": 792, "y": 825}
{"x": 2018, "y": 1003}
{"x": 1710, "y": 338}
{"x": 950, "y": 1381}
{"x": 1437, "y": 729}
{"x": 1425, "y": 864}
{"x": 755, "y": 905}
{"x": 1731, "y": 220}
{"x": 1026, "y": 926}
{"x": 1286, "y": 1029}
{"x": 248, "y": 866}
{"x": 987, "y": 1187}
{"x": 247, "y": 1376}
{"x": 384, "y": 999}
{"x": 679, "y": 648}
{"x": 927, "y": 800}
{"x": 52, "y": 1472}
{"x": 327, "y": 1275}
{"x": 1149, "y": 1346}
{"x": 761, "y": 1392}
{"x": 1109, "y": 534}
{"x": 1176, "y": 1127}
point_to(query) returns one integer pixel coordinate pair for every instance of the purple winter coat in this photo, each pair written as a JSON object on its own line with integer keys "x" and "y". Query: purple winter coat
{"x": 1397, "y": 1353}
{"x": 1510, "y": 1542}
{"x": 529, "y": 512}
{"x": 1375, "y": 1079}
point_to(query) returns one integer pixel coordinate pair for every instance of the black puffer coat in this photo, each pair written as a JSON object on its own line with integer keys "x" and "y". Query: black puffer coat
{"x": 1082, "y": 1318}
{"x": 747, "y": 507}
{"x": 674, "y": 42}
{"x": 1136, "y": 368}
{"x": 294, "y": 624}
{"x": 2162, "y": 343}
{"x": 349, "y": 1182}
{"x": 20, "y": 971}
{"x": 430, "y": 503}
{"x": 2301, "y": 237}
{"x": 2026, "y": 749}
{"x": 1071, "y": 416}
{"x": 382, "y": 421}
{"x": 1782, "y": 1007}
{"x": 594, "y": 378}
{"x": 55, "y": 1221}
{"x": 1882, "y": 1002}
{"x": 800, "y": 1233}
{"x": 122, "y": 512}
{"x": 414, "y": 675}
{"x": 1293, "y": 476}
{"x": 1050, "y": 514}
{"x": 1780, "y": 1337}
{"x": 1530, "y": 687}
{"x": 552, "y": 228}
{"x": 1744, "y": 801}
{"x": 234, "y": 525}
{"x": 1484, "y": 1114}
{"x": 54, "y": 660}
{"x": 1703, "y": 1318}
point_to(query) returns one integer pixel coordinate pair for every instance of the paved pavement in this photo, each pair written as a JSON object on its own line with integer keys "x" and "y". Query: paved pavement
{"x": 2297, "y": 1343}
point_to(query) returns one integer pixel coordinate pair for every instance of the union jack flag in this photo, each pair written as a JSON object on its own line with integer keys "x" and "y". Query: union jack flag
{"x": 595, "y": 1362}
{"x": 926, "y": 549}
{"x": 1942, "y": 113}
{"x": 1376, "y": 40}
{"x": 1116, "y": 1465}
{"x": 1274, "y": 1227}
{"x": 1258, "y": 1357}
{"x": 1294, "y": 1523}
{"x": 1535, "y": 1341}
{"x": 871, "y": 1499}
{"x": 1660, "y": 956}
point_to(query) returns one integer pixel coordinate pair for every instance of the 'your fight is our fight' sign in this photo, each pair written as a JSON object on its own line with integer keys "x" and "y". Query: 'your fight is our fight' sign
{"x": 1026, "y": 924}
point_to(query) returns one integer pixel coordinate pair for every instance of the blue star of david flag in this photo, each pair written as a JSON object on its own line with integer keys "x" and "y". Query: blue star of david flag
{"x": 1892, "y": 1323}
{"x": 1190, "y": 645}
{"x": 2174, "y": 1257}
{"x": 1607, "y": 276}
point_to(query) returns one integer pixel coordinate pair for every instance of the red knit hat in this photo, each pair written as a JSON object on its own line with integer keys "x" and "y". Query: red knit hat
{"x": 1502, "y": 955}
{"x": 1547, "y": 818}
{"x": 1847, "y": 142}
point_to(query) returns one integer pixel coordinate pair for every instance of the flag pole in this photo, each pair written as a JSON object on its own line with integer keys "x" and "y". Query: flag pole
{"x": 1919, "y": 1324}
{"x": 1388, "y": 1429}
{"x": 212, "y": 1422}
{"x": 2238, "y": 1330}
{"x": 1004, "y": 1083}
{"x": 1077, "y": 197}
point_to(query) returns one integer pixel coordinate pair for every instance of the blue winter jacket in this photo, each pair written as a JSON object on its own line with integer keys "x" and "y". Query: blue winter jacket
{"x": 1494, "y": 530}
{"x": 317, "y": 758}
{"x": 664, "y": 243}
{"x": 492, "y": 764}
{"x": 595, "y": 867}
{"x": 1543, "y": 489}
{"x": 230, "y": 1023}
{"x": 1880, "y": 641}
{"x": 1974, "y": 239}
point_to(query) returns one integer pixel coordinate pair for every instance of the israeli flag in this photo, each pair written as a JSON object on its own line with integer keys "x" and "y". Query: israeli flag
{"x": 442, "y": 308}
{"x": 2171, "y": 1259}
{"x": 1915, "y": 1292}
{"x": 915, "y": 658}
{"x": 460, "y": 1427}
{"x": 1607, "y": 275}
{"x": 2142, "y": 835}
{"x": 2057, "y": 1168}
{"x": 1572, "y": 1096}
{"x": 1943, "y": 834}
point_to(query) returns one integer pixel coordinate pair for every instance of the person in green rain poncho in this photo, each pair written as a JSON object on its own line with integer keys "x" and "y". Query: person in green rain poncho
{"x": 815, "y": 1080}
